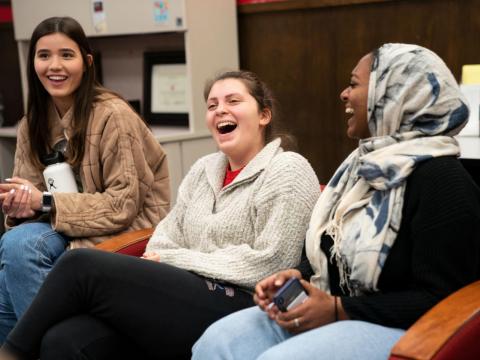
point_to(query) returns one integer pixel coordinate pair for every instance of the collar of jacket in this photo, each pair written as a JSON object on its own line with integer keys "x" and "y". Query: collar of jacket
{"x": 61, "y": 127}
{"x": 215, "y": 169}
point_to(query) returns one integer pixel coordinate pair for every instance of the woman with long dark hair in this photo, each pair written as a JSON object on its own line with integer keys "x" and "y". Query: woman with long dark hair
{"x": 120, "y": 170}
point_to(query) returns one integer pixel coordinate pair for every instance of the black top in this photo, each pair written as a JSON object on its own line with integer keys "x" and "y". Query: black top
{"x": 437, "y": 250}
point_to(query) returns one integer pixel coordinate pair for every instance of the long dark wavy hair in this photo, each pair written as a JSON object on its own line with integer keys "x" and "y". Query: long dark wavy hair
{"x": 265, "y": 100}
{"x": 38, "y": 97}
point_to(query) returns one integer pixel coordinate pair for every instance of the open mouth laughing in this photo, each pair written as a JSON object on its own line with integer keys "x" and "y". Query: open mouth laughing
{"x": 225, "y": 127}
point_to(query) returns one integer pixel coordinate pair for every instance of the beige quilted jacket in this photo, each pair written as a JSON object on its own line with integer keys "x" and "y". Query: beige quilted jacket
{"x": 124, "y": 174}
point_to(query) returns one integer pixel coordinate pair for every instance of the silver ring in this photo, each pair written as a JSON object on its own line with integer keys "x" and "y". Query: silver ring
{"x": 296, "y": 322}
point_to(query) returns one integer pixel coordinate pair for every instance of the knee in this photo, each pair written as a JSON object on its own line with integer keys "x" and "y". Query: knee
{"x": 15, "y": 244}
{"x": 31, "y": 242}
{"x": 220, "y": 339}
{"x": 75, "y": 259}
{"x": 213, "y": 343}
{"x": 86, "y": 337}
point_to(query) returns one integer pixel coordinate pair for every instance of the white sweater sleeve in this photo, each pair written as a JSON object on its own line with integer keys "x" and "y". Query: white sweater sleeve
{"x": 169, "y": 232}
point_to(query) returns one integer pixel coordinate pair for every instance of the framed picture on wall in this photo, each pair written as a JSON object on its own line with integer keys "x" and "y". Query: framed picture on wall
{"x": 165, "y": 88}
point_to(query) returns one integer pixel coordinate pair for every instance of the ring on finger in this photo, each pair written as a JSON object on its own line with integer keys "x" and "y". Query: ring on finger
{"x": 296, "y": 322}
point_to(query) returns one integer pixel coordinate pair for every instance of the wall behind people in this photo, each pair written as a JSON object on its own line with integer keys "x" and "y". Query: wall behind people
{"x": 306, "y": 48}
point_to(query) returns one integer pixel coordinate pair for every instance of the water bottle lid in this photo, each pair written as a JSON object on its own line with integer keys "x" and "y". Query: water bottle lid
{"x": 53, "y": 158}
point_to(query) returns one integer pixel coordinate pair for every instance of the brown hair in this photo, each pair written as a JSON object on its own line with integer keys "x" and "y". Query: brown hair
{"x": 265, "y": 100}
{"x": 38, "y": 97}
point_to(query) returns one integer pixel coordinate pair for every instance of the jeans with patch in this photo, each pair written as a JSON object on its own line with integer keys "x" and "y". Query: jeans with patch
{"x": 27, "y": 254}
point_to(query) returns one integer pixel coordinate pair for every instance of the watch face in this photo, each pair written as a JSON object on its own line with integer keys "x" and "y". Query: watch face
{"x": 47, "y": 200}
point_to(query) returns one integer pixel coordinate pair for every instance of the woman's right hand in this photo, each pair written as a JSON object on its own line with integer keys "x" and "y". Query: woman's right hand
{"x": 266, "y": 289}
{"x": 151, "y": 255}
{"x": 16, "y": 200}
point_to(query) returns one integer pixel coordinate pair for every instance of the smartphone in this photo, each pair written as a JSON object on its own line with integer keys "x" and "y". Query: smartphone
{"x": 291, "y": 294}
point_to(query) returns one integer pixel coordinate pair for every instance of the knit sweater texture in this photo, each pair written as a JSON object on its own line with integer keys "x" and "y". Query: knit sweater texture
{"x": 246, "y": 230}
{"x": 437, "y": 250}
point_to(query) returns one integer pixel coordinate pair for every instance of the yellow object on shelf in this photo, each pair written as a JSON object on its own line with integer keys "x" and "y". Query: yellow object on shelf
{"x": 471, "y": 74}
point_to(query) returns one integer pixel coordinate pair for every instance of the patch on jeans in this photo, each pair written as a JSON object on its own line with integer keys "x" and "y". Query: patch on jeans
{"x": 212, "y": 286}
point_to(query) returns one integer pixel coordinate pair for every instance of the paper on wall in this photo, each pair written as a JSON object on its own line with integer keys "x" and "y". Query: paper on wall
{"x": 99, "y": 17}
{"x": 162, "y": 12}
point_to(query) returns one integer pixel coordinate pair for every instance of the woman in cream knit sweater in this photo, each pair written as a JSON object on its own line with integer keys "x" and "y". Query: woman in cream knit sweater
{"x": 241, "y": 214}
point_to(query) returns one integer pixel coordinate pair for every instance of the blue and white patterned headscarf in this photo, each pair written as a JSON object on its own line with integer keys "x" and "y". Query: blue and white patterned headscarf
{"x": 414, "y": 108}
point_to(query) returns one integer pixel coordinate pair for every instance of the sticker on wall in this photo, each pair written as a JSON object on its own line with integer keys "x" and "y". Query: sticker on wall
{"x": 161, "y": 12}
{"x": 98, "y": 17}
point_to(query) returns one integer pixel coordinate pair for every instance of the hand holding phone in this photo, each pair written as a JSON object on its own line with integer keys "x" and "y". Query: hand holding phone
{"x": 291, "y": 294}
{"x": 266, "y": 289}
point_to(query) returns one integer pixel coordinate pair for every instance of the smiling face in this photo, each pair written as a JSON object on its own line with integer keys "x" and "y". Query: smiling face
{"x": 355, "y": 97}
{"x": 235, "y": 121}
{"x": 59, "y": 66}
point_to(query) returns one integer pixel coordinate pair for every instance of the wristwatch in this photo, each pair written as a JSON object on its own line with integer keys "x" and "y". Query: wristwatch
{"x": 47, "y": 202}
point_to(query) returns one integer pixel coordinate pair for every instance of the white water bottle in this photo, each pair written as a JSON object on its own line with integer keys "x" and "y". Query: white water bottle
{"x": 58, "y": 174}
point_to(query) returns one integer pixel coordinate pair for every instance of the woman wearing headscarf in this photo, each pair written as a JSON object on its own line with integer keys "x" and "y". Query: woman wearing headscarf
{"x": 396, "y": 230}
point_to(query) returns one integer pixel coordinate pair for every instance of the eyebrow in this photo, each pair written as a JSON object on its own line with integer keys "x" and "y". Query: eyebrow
{"x": 62, "y": 49}
{"x": 226, "y": 96}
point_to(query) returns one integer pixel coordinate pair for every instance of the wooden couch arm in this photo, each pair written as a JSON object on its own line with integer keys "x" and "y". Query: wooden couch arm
{"x": 121, "y": 243}
{"x": 434, "y": 329}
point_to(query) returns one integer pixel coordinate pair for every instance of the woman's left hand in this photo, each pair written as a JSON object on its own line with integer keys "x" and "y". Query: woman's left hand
{"x": 20, "y": 198}
{"x": 317, "y": 310}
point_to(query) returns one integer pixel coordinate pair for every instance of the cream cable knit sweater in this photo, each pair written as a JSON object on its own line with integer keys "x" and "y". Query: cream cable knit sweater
{"x": 247, "y": 230}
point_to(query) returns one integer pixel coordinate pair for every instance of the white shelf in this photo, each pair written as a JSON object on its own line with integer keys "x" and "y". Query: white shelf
{"x": 164, "y": 134}
{"x": 8, "y": 132}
